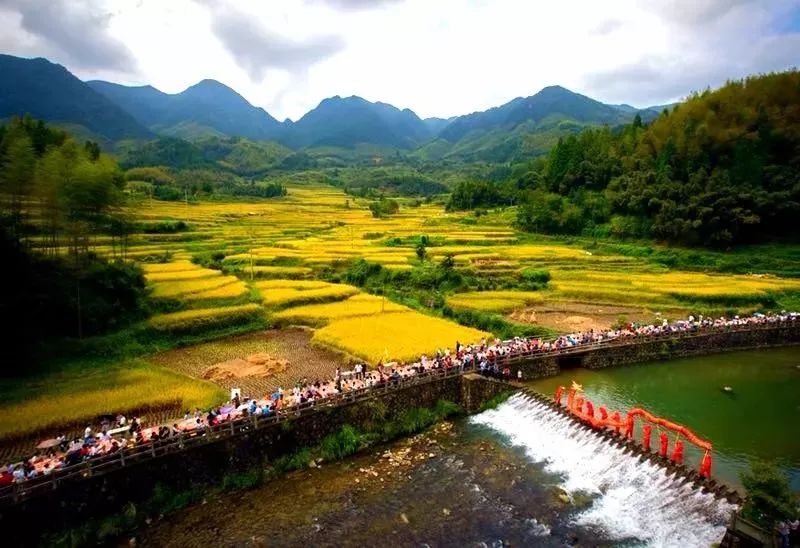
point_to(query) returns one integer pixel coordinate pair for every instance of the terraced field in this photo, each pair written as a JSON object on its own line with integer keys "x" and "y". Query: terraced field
{"x": 241, "y": 266}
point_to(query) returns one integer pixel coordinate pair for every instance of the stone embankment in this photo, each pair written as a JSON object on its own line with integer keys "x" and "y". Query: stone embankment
{"x": 105, "y": 485}
{"x": 636, "y": 350}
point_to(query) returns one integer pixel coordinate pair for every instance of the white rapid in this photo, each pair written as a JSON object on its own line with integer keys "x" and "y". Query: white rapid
{"x": 631, "y": 499}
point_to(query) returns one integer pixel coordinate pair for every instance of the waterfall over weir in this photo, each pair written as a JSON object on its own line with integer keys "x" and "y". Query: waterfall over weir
{"x": 632, "y": 501}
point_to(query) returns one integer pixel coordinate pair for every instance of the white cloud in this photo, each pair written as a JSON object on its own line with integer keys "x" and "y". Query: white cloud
{"x": 257, "y": 48}
{"x": 438, "y": 58}
{"x": 74, "y": 32}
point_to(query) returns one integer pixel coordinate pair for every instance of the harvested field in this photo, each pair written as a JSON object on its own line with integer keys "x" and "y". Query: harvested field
{"x": 260, "y": 365}
{"x": 569, "y": 317}
{"x": 292, "y": 346}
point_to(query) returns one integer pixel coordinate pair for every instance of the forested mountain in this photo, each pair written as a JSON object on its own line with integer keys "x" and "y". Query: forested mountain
{"x": 435, "y": 125}
{"x": 352, "y": 120}
{"x": 523, "y": 127}
{"x": 721, "y": 168}
{"x": 234, "y": 154}
{"x": 206, "y": 108}
{"x": 554, "y": 102}
{"x": 49, "y": 91}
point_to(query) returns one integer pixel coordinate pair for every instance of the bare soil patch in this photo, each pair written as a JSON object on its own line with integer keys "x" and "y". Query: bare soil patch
{"x": 257, "y": 362}
{"x": 570, "y": 317}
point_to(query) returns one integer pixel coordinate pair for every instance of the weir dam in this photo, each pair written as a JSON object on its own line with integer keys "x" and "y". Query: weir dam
{"x": 106, "y": 484}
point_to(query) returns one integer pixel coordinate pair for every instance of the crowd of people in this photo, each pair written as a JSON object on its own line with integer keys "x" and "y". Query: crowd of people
{"x": 486, "y": 358}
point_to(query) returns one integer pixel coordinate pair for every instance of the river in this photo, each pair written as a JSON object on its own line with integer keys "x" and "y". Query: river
{"x": 759, "y": 419}
{"x": 523, "y": 475}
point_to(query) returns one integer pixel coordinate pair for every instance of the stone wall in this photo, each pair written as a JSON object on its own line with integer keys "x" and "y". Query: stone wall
{"x": 649, "y": 350}
{"x": 477, "y": 390}
{"x": 74, "y": 501}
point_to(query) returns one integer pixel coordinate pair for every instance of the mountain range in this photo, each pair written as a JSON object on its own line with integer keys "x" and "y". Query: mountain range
{"x": 525, "y": 125}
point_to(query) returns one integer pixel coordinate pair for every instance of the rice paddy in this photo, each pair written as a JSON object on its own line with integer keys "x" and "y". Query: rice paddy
{"x": 279, "y": 297}
{"x": 203, "y": 318}
{"x": 272, "y": 253}
{"x": 358, "y": 305}
{"x": 85, "y": 392}
{"x": 495, "y": 301}
{"x": 265, "y": 261}
{"x": 401, "y": 336}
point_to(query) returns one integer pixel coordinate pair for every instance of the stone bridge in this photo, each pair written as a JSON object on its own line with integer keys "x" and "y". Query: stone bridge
{"x": 105, "y": 484}
{"x": 641, "y": 349}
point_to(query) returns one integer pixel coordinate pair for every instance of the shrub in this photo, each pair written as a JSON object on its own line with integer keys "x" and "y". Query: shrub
{"x": 384, "y": 207}
{"x": 164, "y": 227}
{"x": 243, "y": 480}
{"x": 342, "y": 444}
{"x": 769, "y": 497}
{"x": 296, "y": 461}
{"x": 360, "y": 271}
{"x": 535, "y": 276}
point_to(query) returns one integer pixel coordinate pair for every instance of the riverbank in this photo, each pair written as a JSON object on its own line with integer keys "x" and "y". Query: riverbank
{"x": 107, "y": 487}
{"x": 464, "y": 482}
{"x": 237, "y": 446}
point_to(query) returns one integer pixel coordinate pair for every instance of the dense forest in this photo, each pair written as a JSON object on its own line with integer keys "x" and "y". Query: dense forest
{"x": 717, "y": 170}
{"x": 60, "y": 195}
{"x": 721, "y": 168}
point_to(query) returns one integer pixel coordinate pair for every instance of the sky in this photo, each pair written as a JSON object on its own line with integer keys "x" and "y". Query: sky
{"x": 437, "y": 57}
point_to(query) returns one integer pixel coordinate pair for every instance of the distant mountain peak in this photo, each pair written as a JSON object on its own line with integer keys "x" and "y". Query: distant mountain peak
{"x": 212, "y": 88}
{"x": 207, "y": 107}
{"x": 554, "y": 89}
{"x": 348, "y": 121}
{"x": 49, "y": 91}
{"x": 547, "y": 103}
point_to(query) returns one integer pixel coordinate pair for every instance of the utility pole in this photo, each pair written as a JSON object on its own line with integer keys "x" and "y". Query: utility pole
{"x": 80, "y": 323}
{"x": 252, "y": 259}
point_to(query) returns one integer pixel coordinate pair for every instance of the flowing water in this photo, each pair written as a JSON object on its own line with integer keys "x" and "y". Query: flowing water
{"x": 523, "y": 475}
{"x": 632, "y": 500}
{"x": 759, "y": 419}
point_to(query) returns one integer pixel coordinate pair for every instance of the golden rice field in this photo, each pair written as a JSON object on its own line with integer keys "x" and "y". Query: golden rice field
{"x": 202, "y": 318}
{"x": 358, "y": 305}
{"x": 82, "y": 394}
{"x": 401, "y": 336}
{"x": 272, "y": 253}
{"x": 276, "y": 271}
{"x": 187, "y": 287}
{"x": 278, "y": 297}
{"x": 495, "y": 301}
{"x": 300, "y": 285}
{"x": 667, "y": 287}
{"x": 267, "y": 242}
{"x": 181, "y": 275}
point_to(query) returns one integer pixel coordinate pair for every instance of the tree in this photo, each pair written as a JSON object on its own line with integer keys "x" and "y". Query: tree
{"x": 421, "y": 251}
{"x": 16, "y": 173}
{"x": 92, "y": 150}
{"x": 384, "y": 207}
{"x": 769, "y": 497}
{"x": 448, "y": 262}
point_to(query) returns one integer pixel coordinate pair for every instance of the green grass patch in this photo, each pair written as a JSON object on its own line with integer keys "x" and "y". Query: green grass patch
{"x": 494, "y": 402}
